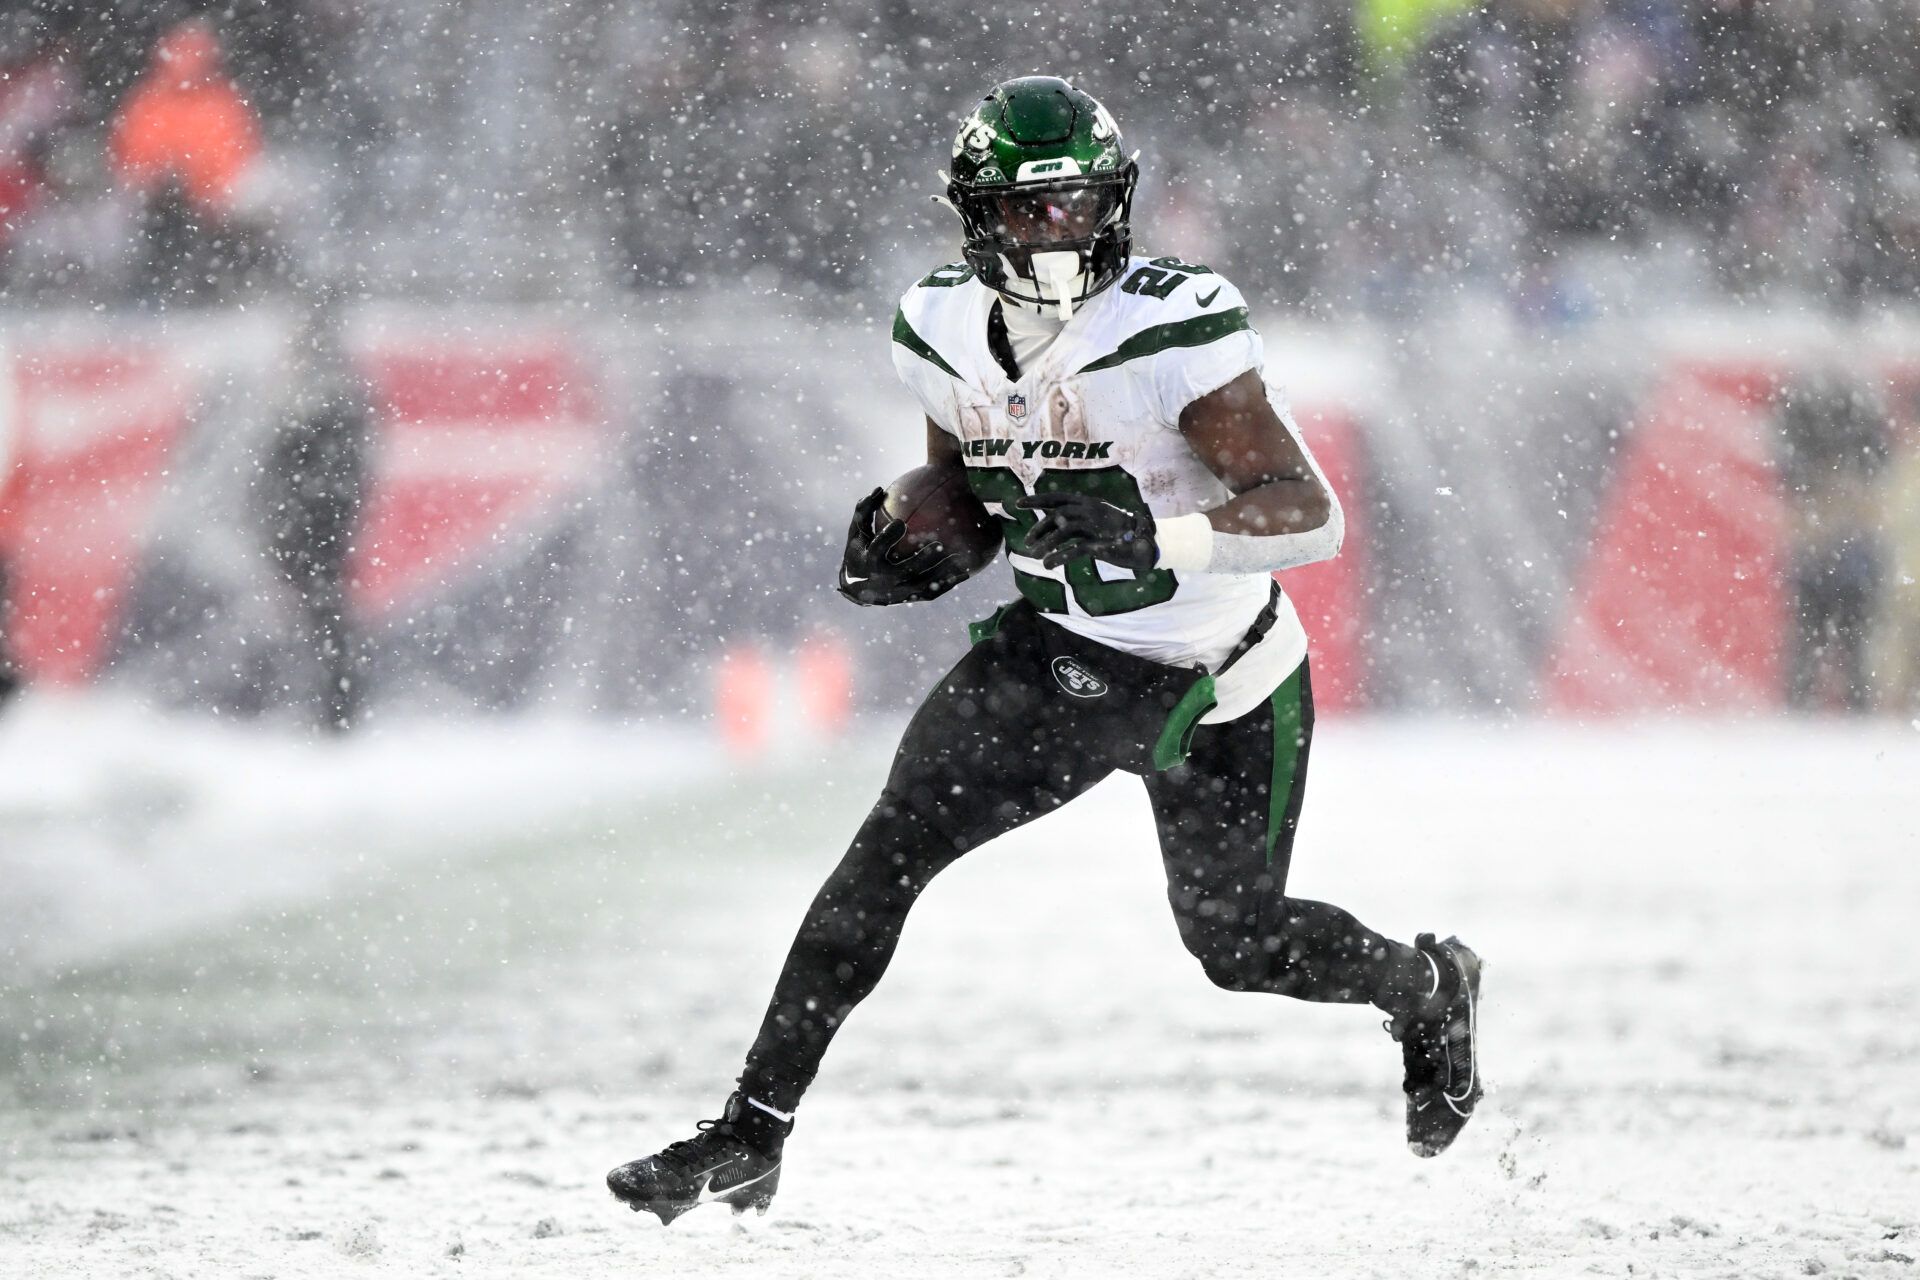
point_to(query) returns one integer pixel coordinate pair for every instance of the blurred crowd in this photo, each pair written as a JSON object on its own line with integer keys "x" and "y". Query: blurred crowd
{"x": 1336, "y": 156}
{"x": 1342, "y": 160}
{"x": 135, "y": 159}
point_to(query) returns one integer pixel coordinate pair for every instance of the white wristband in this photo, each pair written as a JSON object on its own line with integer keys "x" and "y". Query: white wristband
{"x": 1186, "y": 542}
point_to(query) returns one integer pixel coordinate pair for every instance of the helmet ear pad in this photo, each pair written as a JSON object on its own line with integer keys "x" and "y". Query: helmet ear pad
{"x": 1103, "y": 255}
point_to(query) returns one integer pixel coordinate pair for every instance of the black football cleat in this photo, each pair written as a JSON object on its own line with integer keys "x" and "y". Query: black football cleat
{"x": 734, "y": 1160}
{"x": 1440, "y": 1051}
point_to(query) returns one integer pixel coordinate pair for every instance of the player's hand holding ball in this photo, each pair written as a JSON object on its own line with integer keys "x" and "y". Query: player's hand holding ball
{"x": 877, "y": 569}
{"x": 918, "y": 538}
{"x": 1072, "y": 525}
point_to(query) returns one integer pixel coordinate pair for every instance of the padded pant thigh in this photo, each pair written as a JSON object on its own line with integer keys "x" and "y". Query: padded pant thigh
{"x": 987, "y": 751}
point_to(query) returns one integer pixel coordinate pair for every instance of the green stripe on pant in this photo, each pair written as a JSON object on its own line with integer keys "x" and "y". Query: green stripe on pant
{"x": 1289, "y": 748}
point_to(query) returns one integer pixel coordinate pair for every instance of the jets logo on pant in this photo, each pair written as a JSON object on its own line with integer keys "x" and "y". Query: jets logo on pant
{"x": 1076, "y": 679}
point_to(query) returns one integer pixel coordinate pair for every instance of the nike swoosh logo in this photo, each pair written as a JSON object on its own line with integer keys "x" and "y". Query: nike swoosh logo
{"x": 710, "y": 1192}
{"x": 1208, "y": 300}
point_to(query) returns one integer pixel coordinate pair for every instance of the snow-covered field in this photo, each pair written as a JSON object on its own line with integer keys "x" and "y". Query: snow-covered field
{"x": 392, "y": 1007}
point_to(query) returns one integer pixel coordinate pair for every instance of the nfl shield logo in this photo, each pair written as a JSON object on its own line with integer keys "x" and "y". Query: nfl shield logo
{"x": 1016, "y": 407}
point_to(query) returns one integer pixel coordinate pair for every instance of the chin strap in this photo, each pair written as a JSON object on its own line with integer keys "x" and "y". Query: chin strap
{"x": 1058, "y": 273}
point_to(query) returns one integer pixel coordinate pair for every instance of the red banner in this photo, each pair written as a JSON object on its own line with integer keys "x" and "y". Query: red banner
{"x": 96, "y": 425}
{"x": 1680, "y": 605}
{"x": 470, "y": 439}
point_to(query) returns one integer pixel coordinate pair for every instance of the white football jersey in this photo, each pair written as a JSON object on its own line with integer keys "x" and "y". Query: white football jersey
{"x": 1099, "y": 412}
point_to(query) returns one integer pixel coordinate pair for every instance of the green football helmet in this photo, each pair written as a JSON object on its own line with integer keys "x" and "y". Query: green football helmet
{"x": 1044, "y": 189}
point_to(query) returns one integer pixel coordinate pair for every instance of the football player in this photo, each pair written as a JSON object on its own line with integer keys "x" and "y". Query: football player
{"x": 9, "y": 679}
{"x": 1110, "y": 410}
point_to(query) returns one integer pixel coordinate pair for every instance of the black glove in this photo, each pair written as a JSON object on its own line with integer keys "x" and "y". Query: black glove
{"x": 872, "y": 573}
{"x": 1074, "y": 524}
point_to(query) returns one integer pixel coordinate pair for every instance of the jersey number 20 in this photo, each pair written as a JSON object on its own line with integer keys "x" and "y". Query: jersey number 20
{"x": 1000, "y": 489}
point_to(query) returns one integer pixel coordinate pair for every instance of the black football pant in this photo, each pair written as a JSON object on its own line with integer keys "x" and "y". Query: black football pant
{"x": 999, "y": 743}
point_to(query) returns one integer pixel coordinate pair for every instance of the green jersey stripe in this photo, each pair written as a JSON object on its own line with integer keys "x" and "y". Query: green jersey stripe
{"x": 904, "y": 335}
{"x": 1195, "y": 332}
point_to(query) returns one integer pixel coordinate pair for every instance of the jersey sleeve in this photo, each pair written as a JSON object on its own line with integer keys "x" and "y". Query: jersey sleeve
{"x": 924, "y": 371}
{"x": 1205, "y": 342}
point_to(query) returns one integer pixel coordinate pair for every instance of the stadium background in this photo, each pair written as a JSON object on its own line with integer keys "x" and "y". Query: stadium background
{"x": 1546, "y": 279}
{"x": 494, "y": 379}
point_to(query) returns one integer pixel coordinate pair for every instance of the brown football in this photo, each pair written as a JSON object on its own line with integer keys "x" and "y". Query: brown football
{"x": 937, "y": 504}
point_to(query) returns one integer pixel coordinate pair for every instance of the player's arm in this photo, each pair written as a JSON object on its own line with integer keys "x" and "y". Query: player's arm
{"x": 873, "y": 570}
{"x": 943, "y": 449}
{"x": 1283, "y": 513}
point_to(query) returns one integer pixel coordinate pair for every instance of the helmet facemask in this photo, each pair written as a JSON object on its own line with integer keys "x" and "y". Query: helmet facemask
{"x": 1049, "y": 245}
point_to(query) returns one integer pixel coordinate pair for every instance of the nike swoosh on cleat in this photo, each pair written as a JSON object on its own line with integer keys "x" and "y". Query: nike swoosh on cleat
{"x": 708, "y": 1194}
{"x": 1208, "y": 300}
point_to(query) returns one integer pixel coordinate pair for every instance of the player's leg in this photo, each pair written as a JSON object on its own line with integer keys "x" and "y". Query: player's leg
{"x": 9, "y": 681}
{"x": 980, "y": 757}
{"x": 1227, "y": 820}
{"x": 1808, "y": 642}
{"x": 1856, "y": 594}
